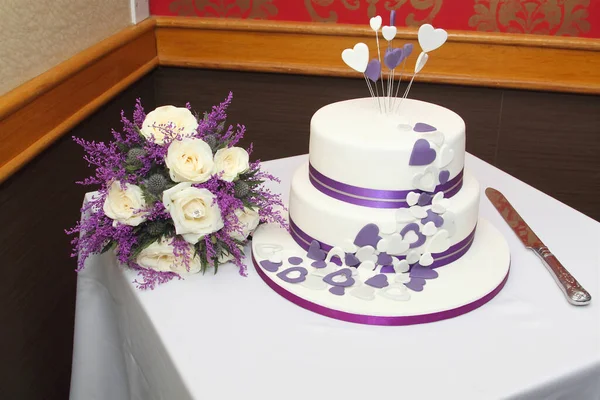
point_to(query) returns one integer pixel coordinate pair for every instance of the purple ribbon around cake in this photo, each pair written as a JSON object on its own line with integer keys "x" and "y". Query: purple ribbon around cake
{"x": 453, "y": 253}
{"x": 372, "y": 197}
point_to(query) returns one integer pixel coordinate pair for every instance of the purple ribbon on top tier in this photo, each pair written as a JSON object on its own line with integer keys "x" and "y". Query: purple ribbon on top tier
{"x": 372, "y": 197}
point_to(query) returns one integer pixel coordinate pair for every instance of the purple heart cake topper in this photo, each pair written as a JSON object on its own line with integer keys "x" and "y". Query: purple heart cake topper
{"x": 407, "y": 49}
{"x": 422, "y": 153}
{"x": 373, "y": 71}
{"x": 422, "y": 127}
{"x": 315, "y": 252}
{"x": 392, "y": 58}
{"x": 368, "y": 236}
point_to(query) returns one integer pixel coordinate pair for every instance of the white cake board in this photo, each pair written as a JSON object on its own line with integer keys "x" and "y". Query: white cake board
{"x": 460, "y": 287}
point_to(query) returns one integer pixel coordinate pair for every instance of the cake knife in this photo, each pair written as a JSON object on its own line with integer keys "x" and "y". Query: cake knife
{"x": 575, "y": 294}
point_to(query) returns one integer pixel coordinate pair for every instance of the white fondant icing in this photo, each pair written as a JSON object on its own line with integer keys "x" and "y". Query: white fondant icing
{"x": 449, "y": 224}
{"x": 418, "y": 212}
{"x": 435, "y": 137}
{"x": 446, "y": 154}
{"x": 426, "y": 180}
{"x": 426, "y": 259}
{"x": 267, "y": 250}
{"x": 348, "y": 246}
{"x": 396, "y": 292}
{"x": 439, "y": 242}
{"x": 402, "y": 278}
{"x": 363, "y": 292}
{"x": 403, "y": 215}
{"x": 353, "y": 143}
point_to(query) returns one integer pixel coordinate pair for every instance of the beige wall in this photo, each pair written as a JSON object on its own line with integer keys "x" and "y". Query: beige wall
{"x": 36, "y": 35}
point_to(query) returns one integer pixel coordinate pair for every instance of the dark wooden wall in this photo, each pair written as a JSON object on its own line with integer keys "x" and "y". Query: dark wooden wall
{"x": 550, "y": 141}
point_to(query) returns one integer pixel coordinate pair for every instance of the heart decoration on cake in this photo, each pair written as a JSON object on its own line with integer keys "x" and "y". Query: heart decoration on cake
{"x": 378, "y": 281}
{"x": 376, "y": 22}
{"x": 314, "y": 282}
{"x": 335, "y": 255}
{"x": 368, "y": 236}
{"x": 389, "y": 33}
{"x": 439, "y": 204}
{"x": 395, "y": 292}
{"x": 444, "y": 176}
{"x": 384, "y": 259}
{"x": 418, "y": 211}
{"x": 351, "y": 260}
{"x": 270, "y": 266}
{"x": 446, "y": 156}
{"x": 341, "y": 279}
{"x": 400, "y": 266}
{"x": 295, "y": 260}
{"x": 426, "y": 259}
{"x": 404, "y": 215}
{"x": 426, "y": 180}
{"x": 422, "y": 153}
{"x": 413, "y": 227}
{"x": 424, "y": 199}
{"x": 449, "y": 223}
{"x": 416, "y": 284}
{"x": 431, "y": 216}
{"x": 373, "y": 71}
{"x": 436, "y": 137}
{"x": 392, "y": 58}
{"x": 367, "y": 266}
{"x": 348, "y": 246}
{"x": 357, "y": 58}
{"x": 402, "y": 278}
{"x": 413, "y": 198}
{"x": 429, "y": 229}
{"x": 366, "y": 253}
{"x": 431, "y": 39}
{"x": 439, "y": 242}
{"x": 267, "y": 250}
{"x": 421, "y": 61}
{"x": 315, "y": 252}
{"x": 393, "y": 245}
{"x": 288, "y": 275}
{"x": 413, "y": 256}
{"x": 422, "y": 127}
{"x": 419, "y": 271}
{"x": 319, "y": 264}
{"x": 363, "y": 292}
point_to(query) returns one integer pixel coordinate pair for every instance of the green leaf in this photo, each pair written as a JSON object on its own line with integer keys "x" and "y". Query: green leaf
{"x": 108, "y": 246}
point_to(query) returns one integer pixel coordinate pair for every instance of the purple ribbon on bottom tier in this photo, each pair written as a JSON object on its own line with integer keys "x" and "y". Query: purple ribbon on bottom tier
{"x": 372, "y": 197}
{"x": 453, "y": 253}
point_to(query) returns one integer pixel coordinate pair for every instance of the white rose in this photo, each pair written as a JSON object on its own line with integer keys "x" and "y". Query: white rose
{"x": 125, "y": 205}
{"x": 248, "y": 220}
{"x": 231, "y": 161}
{"x": 180, "y": 121}
{"x": 160, "y": 256}
{"x": 190, "y": 160}
{"x": 194, "y": 211}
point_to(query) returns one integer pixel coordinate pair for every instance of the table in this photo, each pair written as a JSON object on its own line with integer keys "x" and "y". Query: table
{"x": 228, "y": 337}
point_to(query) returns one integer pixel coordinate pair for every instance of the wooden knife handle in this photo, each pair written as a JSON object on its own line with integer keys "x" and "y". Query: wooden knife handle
{"x": 574, "y": 292}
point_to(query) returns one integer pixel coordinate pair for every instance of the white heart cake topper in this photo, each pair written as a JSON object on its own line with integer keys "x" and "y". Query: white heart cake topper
{"x": 421, "y": 61}
{"x": 430, "y": 38}
{"x": 389, "y": 32}
{"x": 375, "y": 23}
{"x": 357, "y": 58}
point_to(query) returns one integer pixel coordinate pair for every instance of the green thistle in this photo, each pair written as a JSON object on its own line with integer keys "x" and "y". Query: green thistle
{"x": 241, "y": 189}
{"x": 157, "y": 183}
{"x": 133, "y": 156}
{"x": 210, "y": 140}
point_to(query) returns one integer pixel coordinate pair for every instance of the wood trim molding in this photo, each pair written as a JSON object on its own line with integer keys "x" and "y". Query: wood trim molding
{"x": 469, "y": 58}
{"x": 38, "y": 112}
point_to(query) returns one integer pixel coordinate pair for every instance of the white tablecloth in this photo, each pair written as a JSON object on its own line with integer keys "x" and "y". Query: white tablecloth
{"x": 229, "y": 337}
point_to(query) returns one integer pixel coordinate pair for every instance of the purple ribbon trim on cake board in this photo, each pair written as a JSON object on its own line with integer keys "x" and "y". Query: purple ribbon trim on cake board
{"x": 453, "y": 253}
{"x": 372, "y": 197}
{"x": 377, "y": 320}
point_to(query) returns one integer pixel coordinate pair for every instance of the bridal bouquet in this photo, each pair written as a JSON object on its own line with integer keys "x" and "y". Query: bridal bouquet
{"x": 176, "y": 195}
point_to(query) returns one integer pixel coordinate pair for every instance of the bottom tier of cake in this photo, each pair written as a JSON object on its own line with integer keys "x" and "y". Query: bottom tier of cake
{"x": 432, "y": 235}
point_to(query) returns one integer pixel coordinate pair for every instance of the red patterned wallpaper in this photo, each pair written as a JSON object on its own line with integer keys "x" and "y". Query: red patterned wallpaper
{"x": 543, "y": 17}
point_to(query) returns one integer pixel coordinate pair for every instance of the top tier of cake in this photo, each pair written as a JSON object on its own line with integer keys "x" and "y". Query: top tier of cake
{"x": 353, "y": 143}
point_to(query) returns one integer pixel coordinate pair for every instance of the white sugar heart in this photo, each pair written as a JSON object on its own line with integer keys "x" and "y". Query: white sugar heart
{"x": 393, "y": 245}
{"x": 418, "y": 212}
{"x": 267, "y": 250}
{"x": 366, "y": 253}
{"x": 421, "y": 61}
{"x": 402, "y": 278}
{"x": 364, "y": 292}
{"x": 336, "y": 251}
{"x": 412, "y": 256}
{"x": 357, "y": 58}
{"x": 429, "y": 229}
{"x": 412, "y": 198}
{"x": 426, "y": 260}
{"x": 430, "y": 38}
{"x": 366, "y": 266}
{"x": 389, "y": 32}
{"x": 435, "y": 137}
{"x": 375, "y": 23}
{"x": 329, "y": 268}
{"x": 348, "y": 246}
{"x": 411, "y": 237}
{"x": 449, "y": 224}
{"x": 426, "y": 180}
{"x": 387, "y": 227}
{"x": 439, "y": 204}
{"x": 400, "y": 266}
{"x": 446, "y": 156}
{"x": 314, "y": 282}
{"x": 403, "y": 215}
{"x": 440, "y": 242}
{"x": 395, "y": 292}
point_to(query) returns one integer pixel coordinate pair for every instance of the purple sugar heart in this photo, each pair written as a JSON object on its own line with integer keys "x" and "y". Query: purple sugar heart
{"x": 336, "y": 260}
{"x": 444, "y": 176}
{"x": 384, "y": 259}
{"x": 337, "y": 290}
{"x": 373, "y": 71}
{"x": 437, "y": 220}
{"x": 315, "y": 252}
{"x": 416, "y": 284}
{"x": 415, "y": 228}
{"x": 284, "y": 275}
{"x": 392, "y": 58}
{"x": 378, "y": 281}
{"x": 346, "y": 273}
{"x": 407, "y": 49}
{"x": 295, "y": 260}
{"x": 422, "y": 153}
{"x": 319, "y": 264}
{"x": 424, "y": 199}
{"x": 270, "y": 266}
{"x": 422, "y": 127}
{"x": 351, "y": 260}
{"x": 418, "y": 271}
{"x": 388, "y": 269}
{"x": 368, "y": 236}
